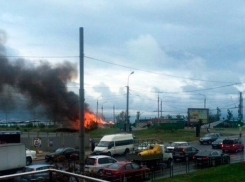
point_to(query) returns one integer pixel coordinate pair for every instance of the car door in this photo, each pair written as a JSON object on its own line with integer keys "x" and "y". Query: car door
{"x": 193, "y": 151}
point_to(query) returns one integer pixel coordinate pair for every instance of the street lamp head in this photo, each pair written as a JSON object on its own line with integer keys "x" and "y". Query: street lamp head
{"x": 132, "y": 73}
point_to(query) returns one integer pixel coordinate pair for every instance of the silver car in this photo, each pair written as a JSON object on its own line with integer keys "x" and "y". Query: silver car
{"x": 97, "y": 163}
{"x": 34, "y": 177}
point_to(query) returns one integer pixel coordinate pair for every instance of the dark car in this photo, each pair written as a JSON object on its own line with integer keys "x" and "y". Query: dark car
{"x": 218, "y": 143}
{"x": 38, "y": 176}
{"x": 67, "y": 152}
{"x": 211, "y": 158}
{"x": 125, "y": 171}
{"x": 232, "y": 144}
{"x": 184, "y": 152}
{"x": 209, "y": 138}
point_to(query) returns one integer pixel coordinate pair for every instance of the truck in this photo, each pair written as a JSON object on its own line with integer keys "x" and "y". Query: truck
{"x": 13, "y": 158}
{"x": 153, "y": 158}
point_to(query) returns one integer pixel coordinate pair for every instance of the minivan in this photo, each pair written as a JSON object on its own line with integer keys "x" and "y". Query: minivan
{"x": 232, "y": 144}
{"x": 115, "y": 144}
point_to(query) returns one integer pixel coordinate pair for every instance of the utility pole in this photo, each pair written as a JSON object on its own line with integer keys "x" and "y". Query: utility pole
{"x": 81, "y": 100}
{"x": 97, "y": 110}
{"x": 158, "y": 109}
{"x": 240, "y": 108}
{"x": 113, "y": 114}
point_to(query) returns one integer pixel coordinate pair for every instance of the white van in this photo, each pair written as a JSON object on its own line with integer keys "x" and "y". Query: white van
{"x": 115, "y": 144}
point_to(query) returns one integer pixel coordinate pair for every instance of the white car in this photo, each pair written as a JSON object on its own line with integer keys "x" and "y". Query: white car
{"x": 177, "y": 144}
{"x": 30, "y": 156}
{"x": 97, "y": 163}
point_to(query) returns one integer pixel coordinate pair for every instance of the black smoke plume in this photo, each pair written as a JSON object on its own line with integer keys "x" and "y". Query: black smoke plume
{"x": 43, "y": 85}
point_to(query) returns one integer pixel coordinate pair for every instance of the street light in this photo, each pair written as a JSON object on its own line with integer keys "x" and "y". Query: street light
{"x": 102, "y": 110}
{"x": 204, "y": 100}
{"x": 127, "y": 119}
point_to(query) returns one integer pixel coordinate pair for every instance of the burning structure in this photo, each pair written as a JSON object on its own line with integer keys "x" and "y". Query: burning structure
{"x": 43, "y": 87}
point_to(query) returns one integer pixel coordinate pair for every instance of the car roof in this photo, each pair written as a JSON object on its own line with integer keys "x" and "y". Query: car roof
{"x": 37, "y": 165}
{"x": 99, "y": 156}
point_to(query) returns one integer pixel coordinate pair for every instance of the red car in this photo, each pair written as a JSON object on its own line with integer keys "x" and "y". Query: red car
{"x": 232, "y": 144}
{"x": 125, "y": 171}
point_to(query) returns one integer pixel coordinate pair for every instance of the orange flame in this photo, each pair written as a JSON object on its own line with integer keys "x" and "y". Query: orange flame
{"x": 89, "y": 118}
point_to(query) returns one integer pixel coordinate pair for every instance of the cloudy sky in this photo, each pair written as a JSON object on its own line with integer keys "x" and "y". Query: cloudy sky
{"x": 180, "y": 51}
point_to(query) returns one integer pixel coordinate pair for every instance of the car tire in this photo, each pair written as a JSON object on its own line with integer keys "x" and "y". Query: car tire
{"x": 109, "y": 153}
{"x": 201, "y": 143}
{"x": 124, "y": 179}
{"x": 28, "y": 161}
{"x": 228, "y": 160}
{"x": 146, "y": 175}
{"x": 209, "y": 142}
{"x": 126, "y": 151}
{"x": 242, "y": 148}
{"x": 100, "y": 172}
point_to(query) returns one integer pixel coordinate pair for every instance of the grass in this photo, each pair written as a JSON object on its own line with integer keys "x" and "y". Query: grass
{"x": 225, "y": 173}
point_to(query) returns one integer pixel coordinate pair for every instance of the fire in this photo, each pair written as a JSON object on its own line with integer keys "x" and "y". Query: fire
{"x": 89, "y": 118}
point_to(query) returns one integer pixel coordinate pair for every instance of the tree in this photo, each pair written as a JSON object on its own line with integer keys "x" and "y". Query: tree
{"x": 218, "y": 114}
{"x": 121, "y": 117}
{"x": 229, "y": 115}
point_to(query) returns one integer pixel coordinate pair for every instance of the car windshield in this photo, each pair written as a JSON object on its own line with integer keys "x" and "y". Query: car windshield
{"x": 228, "y": 141}
{"x": 59, "y": 150}
{"x": 114, "y": 166}
{"x": 208, "y": 135}
{"x": 103, "y": 144}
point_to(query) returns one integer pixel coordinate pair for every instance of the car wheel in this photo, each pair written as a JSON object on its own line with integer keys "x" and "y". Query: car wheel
{"x": 28, "y": 161}
{"x": 242, "y": 148}
{"x": 213, "y": 163}
{"x": 223, "y": 151}
{"x": 209, "y": 142}
{"x": 124, "y": 179}
{"x": 100, "y": 172}
{"x": 109, "y": 153}
{"x": 201, "y": 143}
{"x": 146, "y": 175}
{"x": 126, "y": 151}
{"x": 228, "y": 160}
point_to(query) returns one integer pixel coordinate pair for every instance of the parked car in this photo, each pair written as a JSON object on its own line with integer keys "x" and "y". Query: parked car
{"x": 232, "y": 144}
{"x": 32, "y": 153}
{"x": 98, "y": 163}
{"x": 125, "y": 171}
{"x": 38, "y": 176}
{"x": 209, "y": 138}
{"x": 67, "y": 152}
{"x": 176, "y": 144}
{"x": 211, "y": 158}
{"x": 216, "y": 144}
{"x": 184, "y": 152}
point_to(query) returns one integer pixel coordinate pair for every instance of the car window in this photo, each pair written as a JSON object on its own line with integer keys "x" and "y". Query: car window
{"x": 103, "y": 160}
{"x": 110, "y": 160}
{"x": 90, "y": 161}
{"x": 128, "y": 166}
{"x": 215, "y": 153}
{"x": 228, "y": 142}
{"x": 135, "y": 166}
{"x": 42, "y": 168}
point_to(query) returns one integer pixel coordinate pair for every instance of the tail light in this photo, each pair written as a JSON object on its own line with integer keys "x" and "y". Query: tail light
{"x": 95, "y": 162}
{"x": 233, "y": 145}
{"x": 183, "y": 150}
{"x": 194, "y": 157}
{"x": 115, "y": 172}
{"x": 204, "y": 158}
